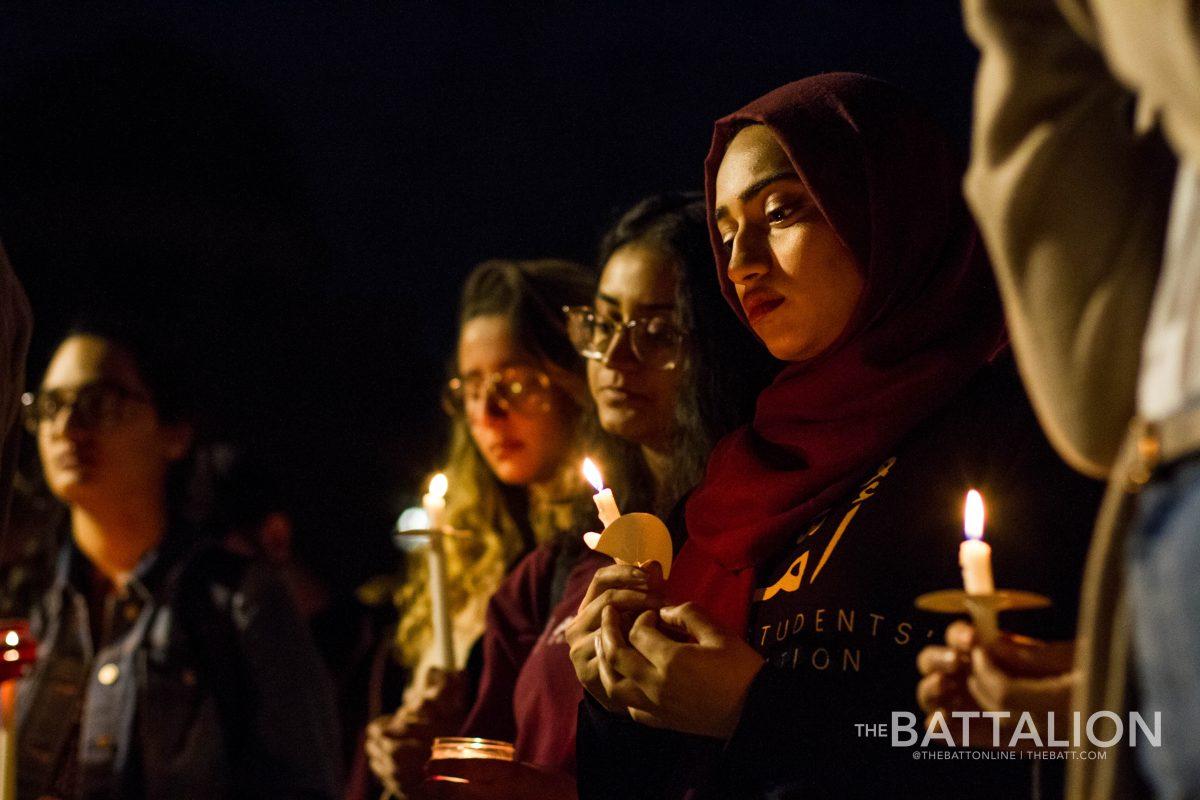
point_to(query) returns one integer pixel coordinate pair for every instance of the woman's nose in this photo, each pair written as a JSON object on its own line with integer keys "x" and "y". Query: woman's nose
{"x": 750, "y": 257}
{"x": 67, "y": 422}
{"x": 619, "y": 354}
{"x": 487, "y": 408}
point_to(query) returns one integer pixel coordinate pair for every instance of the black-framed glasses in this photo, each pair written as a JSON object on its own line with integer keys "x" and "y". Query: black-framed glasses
{"x": 655, "y": 341}
{"x": 94, "y": 406}
{"x": 519, "y": 388}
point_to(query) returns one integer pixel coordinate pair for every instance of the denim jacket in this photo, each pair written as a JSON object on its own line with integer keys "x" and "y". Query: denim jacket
{"x": 207, "y": 685}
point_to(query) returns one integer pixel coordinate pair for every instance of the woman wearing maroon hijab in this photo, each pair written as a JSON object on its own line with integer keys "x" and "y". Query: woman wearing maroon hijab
{"x": 843, "y": 243}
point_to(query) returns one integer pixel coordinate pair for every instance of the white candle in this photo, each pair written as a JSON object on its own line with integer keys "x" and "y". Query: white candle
{"x": 434, "y": 503}
{"x": 606, "y": 506}
{"x": 974, "y": 554}
{"x": 8, "y": 769}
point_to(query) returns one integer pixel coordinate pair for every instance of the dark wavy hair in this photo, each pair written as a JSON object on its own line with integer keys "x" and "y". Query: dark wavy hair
{"x": 725, "y": 366}
{"x": 164, "y": 358}
{"x": 165, "y": 361}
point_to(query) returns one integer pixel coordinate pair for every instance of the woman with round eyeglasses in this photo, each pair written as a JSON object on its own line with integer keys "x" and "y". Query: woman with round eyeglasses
{"x": 517, "y": 404}
{"x": 788, "y": 622}
{"x": 682, "y": 393}
{"x": 666, "y": 395}
{"x": 669, "y": 368}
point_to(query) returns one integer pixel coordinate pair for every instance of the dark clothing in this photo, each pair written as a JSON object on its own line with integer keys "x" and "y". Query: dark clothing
{"x": 199, "y": 680}
{"x": 527, "y": 674}
{"x": 928, "y": 317}
{"x": 16, "y": 327}
{"x": 833, "y": 613}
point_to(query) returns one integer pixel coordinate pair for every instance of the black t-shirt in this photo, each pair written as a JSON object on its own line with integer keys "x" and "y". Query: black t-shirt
{"x": 834, "y": 615}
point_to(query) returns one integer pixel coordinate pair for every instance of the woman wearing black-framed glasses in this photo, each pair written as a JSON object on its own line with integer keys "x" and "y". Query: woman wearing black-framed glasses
{"x": 667, "y": 390}
{"x": 688, "y": 394}
{"x": 163, "y": 660}
{"x": 669, "y": 368}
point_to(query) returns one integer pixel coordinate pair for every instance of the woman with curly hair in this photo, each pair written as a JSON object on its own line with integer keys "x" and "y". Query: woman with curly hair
{"x": 666, "y": 394}
{"x": 518, "y": 403}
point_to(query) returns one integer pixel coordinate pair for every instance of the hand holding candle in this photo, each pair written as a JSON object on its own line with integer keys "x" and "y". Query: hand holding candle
{"x": 979, "y": 596}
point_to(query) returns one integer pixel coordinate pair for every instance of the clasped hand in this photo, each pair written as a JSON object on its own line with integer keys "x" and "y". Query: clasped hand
{"x": 1014, "y": 674}
{"x": 666, "y": 666}
{"x": 398, "y": 745}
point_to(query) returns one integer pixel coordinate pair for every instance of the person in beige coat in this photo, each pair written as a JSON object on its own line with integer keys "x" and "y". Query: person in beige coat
{"x": 1086, "y": 110}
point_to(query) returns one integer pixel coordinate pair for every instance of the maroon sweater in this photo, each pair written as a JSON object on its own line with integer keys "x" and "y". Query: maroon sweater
{"x": 528, "y": 692}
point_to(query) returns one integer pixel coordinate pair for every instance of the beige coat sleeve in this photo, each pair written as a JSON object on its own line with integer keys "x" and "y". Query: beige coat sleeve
{"x": 1072, "y": 206}
{"x": 1153, "y": 47}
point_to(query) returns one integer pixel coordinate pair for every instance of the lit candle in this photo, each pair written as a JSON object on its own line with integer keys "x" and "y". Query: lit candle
{"x": 606, "y": 506}
{"x": 974, "y": 554}
{"x": 434, "y": 503}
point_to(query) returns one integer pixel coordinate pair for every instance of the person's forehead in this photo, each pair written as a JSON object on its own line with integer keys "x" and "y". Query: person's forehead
{"x": 639, "y": 275}
{"x": 752, "y": 154}
{"x": 82, "y": 360}
{"x": 487, "y": 343}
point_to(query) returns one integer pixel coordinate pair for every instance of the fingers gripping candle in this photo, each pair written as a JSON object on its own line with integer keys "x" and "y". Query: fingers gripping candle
{"x": 606, "y": 506}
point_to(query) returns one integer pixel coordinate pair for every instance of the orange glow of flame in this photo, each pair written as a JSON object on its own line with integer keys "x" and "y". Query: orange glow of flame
{"x": 973, "y": 515}
{"x": 438, "y": 485}
{"x": 592, "y": 473}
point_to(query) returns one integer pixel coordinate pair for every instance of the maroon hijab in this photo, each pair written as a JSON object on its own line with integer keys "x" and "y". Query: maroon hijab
{"x": 887, "y": 181}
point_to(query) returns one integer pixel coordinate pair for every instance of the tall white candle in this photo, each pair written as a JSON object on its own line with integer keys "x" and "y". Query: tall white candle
{"x": 434, "y": 503}
{"x": 606, "y": 505}
{"x": 974, "y": 554}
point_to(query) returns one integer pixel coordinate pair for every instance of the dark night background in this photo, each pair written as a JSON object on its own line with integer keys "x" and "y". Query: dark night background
{"x": 303, "y": 188}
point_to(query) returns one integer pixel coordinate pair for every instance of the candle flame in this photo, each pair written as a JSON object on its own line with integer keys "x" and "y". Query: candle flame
{"x": 973, "y": 515}
{"x": 438, "y": 485}
{"x": 592, "y": 473}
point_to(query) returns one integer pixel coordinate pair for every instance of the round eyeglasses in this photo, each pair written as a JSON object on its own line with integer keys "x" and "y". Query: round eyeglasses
{"x": 94, "y": 406}
{"x": 655, "y": 341}
{"x": 520, "y": 389}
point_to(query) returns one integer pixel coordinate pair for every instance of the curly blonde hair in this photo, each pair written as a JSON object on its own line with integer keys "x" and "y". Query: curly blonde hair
{"x": 502, "y": 521}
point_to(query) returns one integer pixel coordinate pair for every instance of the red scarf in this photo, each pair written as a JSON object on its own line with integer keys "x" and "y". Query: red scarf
{"x": 887, "y": 181}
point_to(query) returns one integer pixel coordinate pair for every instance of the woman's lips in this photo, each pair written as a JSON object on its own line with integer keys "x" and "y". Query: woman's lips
{"x": 72, "y": 460}
{"x": 506, "y": 448}
{"x": 619, "y": 396}
{"x": 760, "y": 303}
